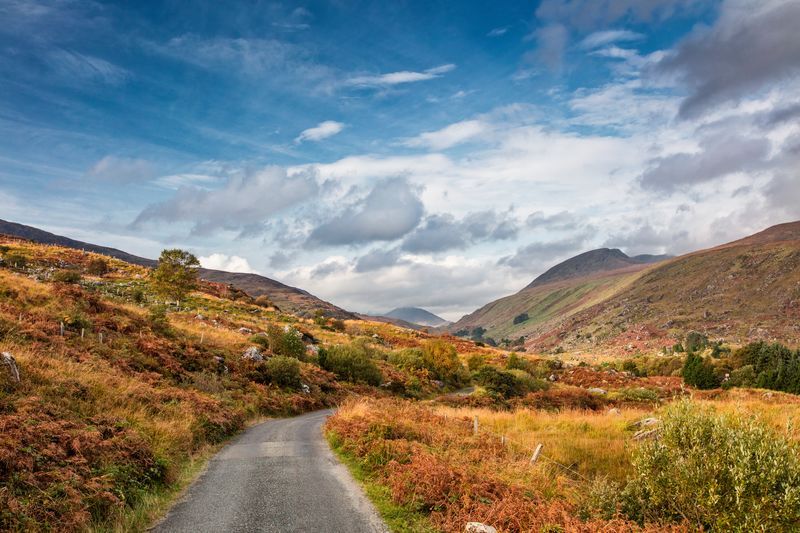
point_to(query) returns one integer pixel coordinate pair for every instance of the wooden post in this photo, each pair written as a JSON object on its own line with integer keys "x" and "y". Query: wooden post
{"x": 536, "y": 453}
{"x": 100, "y": 336}
{"x": 475, "y": 425}
{"x": 82, "y": 332}
{"x": 202, "y": 336}
{"x": 503, "y": 440}
{"x": 61, "y": 324}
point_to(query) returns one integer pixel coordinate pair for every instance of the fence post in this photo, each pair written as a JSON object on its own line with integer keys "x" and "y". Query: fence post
{"x": 100, "y": 336}
{"x": 82, "y": 332}
{"x": 475, "y": 425}
{"x": 536, "y": 453}
{"x": 61, "y": 325}
{"x": 202, "y": 336}
{"x": 503, "y": 440}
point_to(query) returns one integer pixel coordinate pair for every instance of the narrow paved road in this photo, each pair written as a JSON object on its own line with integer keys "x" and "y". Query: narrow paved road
{"x": 278, "y": 476}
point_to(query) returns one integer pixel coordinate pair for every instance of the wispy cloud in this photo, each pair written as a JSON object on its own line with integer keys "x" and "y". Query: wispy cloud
{"x": 448, "y": 136}
{"x": 122, "y": 169}
{"x": 323, "y": 130}
{"x": 497, "y": 32}
{"x": 400, "y": 77}
{"x": 602, "y": 38}
{"x": 72, "y": 66}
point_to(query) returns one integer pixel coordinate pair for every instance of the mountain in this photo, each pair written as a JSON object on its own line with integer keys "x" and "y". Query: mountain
{"x": 746, "y": 289}
{"x": 416, "y": 315}
{"x": 601, "y": 260}
{"x": 287, "y": 298}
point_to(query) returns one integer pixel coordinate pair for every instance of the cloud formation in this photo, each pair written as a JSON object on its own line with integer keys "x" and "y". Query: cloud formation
{"x": 719, "y": 154}
{"x": 228, "y": 263}
{"x": 323, "y": 130}
{"x": 448, "y": 136}
{"x": 246, "y": 199}
{"x": 390, "y": 210}
{"x": 442, "y": 232}
{"x": 753, "y": 44}
{"x": 602, "y": 38}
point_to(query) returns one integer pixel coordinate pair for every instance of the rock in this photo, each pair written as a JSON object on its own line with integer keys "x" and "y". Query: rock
{"x": 552, "y": 378}
{"x": 597, "y": 390}
{"x": 313, "y": 349}
{"x": 645, "y": 422}
{"x": 477, "y": 527}
{"x": 246, "y": 331}
{"x": 198, "y": 316}
{"x": 614, "y": 411}
{"x": 11, "y": 363}
{"x": 437, "y": 383}
{"x": 253, "y": 354}
{"x": 305, "y": 388}
{"x": 221, "y": 367}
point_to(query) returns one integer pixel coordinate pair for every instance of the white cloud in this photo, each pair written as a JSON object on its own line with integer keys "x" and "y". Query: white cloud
{"x": 122, "y": 169}
{"x": 602, "y": 38}
{"x": 448, "y": 136}
{"x": 400, "y": 77}
{"x": 228, "y": 263}
{"x": 323, "y": 130}
{"x": 497, "y": 32}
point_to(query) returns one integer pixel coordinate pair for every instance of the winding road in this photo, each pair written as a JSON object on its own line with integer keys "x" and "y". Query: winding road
{"x": 278, "y": 476}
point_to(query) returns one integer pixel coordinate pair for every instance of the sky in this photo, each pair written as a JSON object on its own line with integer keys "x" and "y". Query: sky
{"x": 385, "y": 154}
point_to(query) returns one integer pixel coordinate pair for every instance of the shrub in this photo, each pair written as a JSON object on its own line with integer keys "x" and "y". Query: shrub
{"x": 441, "y": 360}
{"x": 286, "y": 342}
{"x": 517, "y": 362}
{"x": 695, "y": 341}
{"x": 283, "y": 371}
{"x": 263, "y": 301}
{"x": 338, "y": 324}
{"x": 97, "y": 267}
{"x": 636, "y": 394}
{"x": 408, "y": 359}
{"x": 67, "y": 276}
{"x": 475, "y": 361}
{"x": 77, "y": 321}
{"x": 15, "y": 260}
{"x": 499, "y": 383}
{"x": 718, "y": 472}
{"x": 520, "y": 318}
{"x": 159, "y": 322}
{"x": 350, "y": 362}
{"x": 527, "y": 383}
{"x": 261, "y": 340}
{"x": 698, "y": 373}
{"x": 742, "y": 377}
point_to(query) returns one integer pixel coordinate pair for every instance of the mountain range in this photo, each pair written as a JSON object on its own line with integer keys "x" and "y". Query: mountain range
{"x": 743, "y": 290}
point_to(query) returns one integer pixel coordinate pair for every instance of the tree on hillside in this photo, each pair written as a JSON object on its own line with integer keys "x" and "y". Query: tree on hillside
{"x": 176, "y": 274}
{"x": 699, "y": 373}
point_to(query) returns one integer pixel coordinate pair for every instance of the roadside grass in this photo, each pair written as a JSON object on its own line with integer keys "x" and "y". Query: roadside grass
{"x": 399, "y": 518}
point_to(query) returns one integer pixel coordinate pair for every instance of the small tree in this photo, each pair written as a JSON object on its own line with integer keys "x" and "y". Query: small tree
{"x": 698, "y": 373}
{"x": 176, "y": 274}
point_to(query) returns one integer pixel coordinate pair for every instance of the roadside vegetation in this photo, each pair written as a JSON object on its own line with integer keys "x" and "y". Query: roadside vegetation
{"x": 120, "y": 380}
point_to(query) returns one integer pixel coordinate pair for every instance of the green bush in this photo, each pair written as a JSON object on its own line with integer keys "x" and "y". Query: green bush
{"x": 350, "y": 362}
{"x": 407, "y": 359}
{"x": 742, "y": 377}
{"x": 635, "y": 394}
{"x": 520, "y": 318}
{"x": 159, "y": 322}
{"x": 15, "y": 260}
{"x": 699, "y": 373}
{"x": 67, "y": 276}
{"x": 475, "y": 361}
{"x": 695, "y": 341}
{"x": 718, "y": 472}
{"x": 508, "y": 383}
{"x": 260, "y": 339}
{"x": 283, "y": 371}
{"x": 286, "y": 342}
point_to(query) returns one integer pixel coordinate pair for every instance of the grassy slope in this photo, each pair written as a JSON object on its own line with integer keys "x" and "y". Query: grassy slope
{"x": 748, "y": 289}
{"x": 100, "y": 434}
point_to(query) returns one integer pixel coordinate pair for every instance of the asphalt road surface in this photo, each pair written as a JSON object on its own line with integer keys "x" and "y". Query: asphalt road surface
{"x": 279, "y": 476}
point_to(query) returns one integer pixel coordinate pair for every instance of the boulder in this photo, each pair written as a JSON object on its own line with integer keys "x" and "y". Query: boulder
{"x": 9, "y": 361}
{"x": 477, "y": 527}
{"x": 246, "y": 331}
{"x": 614, "y": 411}
{"x": 253, "y": 354}
{"x": 221, "y": 366}
{"x": 305, "y": 388}
{"x": 597, "y": 390}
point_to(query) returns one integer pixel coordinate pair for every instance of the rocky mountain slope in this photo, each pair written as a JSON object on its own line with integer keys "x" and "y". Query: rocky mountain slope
{"x": 746, "y": 289}
{"x": 287, "y": 298}
{"x": 416, "y": 315}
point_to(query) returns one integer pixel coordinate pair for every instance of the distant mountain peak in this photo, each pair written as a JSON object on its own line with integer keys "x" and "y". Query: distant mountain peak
{"x": 591, "y": 262}
{"x": 416, "y": 315}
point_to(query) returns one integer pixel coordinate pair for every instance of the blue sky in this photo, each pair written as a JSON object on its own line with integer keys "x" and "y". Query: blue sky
{"x": 380, "y": 154}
